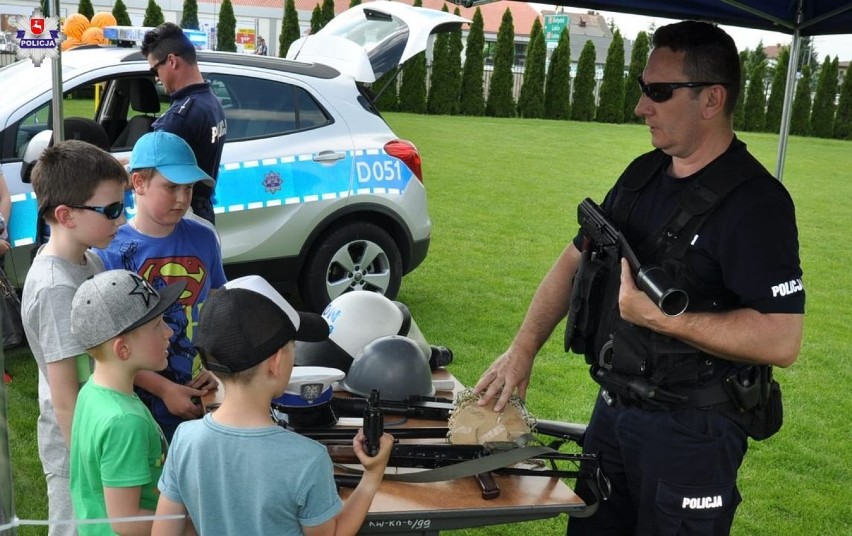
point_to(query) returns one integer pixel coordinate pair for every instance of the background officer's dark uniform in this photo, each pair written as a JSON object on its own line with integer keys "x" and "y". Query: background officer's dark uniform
{"x": 197, "y": 116}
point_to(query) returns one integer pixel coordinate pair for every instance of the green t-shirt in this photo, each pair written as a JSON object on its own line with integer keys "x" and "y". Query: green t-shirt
{"x": 114, "y": 443}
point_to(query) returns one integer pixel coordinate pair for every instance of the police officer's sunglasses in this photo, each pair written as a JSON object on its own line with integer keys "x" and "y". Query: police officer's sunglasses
{"x": 113, "y": 211}
{"x": 155, "y": 69}
{"x": 663, "y": 91}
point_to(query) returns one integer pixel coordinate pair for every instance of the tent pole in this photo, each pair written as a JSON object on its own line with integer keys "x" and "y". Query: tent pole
{"x": 787, "y": 106}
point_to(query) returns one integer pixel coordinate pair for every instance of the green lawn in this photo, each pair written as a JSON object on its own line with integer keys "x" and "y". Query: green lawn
{"x": 503, "y": 197}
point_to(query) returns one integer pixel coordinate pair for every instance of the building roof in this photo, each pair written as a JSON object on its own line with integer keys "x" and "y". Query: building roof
{"x": 523, "y": 14}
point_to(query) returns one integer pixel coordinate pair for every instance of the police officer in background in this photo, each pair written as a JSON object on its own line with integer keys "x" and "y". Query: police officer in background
{"x": 195, "y": 114}
{"x": 681, "y": 394}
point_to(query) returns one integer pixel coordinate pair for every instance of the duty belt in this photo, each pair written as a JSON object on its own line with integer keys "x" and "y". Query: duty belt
{"x": 638, "y": 391}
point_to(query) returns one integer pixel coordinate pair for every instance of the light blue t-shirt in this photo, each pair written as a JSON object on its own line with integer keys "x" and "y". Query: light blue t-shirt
{"x": 249, "y": 480}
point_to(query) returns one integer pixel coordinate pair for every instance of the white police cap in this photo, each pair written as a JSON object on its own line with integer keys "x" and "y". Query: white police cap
{"x": 309, "y": 387}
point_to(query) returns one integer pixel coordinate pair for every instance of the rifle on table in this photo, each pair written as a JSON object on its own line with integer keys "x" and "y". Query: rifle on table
{"x": 651, "y": 279}
{"x": 449, "y": 462}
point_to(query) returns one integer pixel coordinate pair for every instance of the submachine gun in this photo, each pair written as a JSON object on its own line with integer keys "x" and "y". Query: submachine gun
{"x": 447, "y": 461}
{"x": 651, "y": 279}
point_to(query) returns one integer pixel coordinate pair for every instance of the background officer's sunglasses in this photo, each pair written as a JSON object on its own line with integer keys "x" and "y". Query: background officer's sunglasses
{"x": 662, "y": 91}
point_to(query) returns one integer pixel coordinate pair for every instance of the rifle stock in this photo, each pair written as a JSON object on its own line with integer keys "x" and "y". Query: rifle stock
{"x": 651, "y": 279}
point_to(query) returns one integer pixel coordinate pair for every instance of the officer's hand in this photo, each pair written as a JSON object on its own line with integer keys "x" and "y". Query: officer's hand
{"x": 635, "y": 306}
{"x": 508, "y": 372}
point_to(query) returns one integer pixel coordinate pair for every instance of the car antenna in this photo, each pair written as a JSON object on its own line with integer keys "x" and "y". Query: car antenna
{"x": 301, "y": 46}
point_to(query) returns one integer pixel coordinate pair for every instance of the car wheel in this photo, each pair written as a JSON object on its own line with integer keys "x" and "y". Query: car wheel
{"x": 356, "y": 256}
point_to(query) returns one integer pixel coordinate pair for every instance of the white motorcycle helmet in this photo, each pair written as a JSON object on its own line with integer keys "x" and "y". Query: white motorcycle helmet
{"x": 355, "y": 319}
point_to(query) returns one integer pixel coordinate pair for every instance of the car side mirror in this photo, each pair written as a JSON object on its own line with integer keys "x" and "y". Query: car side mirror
{"x": 35, "y": 147}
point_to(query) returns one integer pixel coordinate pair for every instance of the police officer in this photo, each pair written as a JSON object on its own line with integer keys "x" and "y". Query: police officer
{"x": 195, "y": 114}
{"x": 673, "y": 459}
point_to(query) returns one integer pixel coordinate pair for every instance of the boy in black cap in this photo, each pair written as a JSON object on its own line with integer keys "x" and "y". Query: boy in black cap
{"x": 117, "y": 448}
{"x": 235, "y": 471}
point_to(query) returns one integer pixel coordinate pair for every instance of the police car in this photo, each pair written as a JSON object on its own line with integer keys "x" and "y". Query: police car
{"x": 315, "y": 192}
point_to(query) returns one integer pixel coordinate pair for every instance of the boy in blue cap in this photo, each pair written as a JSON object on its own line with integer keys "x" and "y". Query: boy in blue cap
{"x": 164, "y": 247}
{"x": 236, "y": 471}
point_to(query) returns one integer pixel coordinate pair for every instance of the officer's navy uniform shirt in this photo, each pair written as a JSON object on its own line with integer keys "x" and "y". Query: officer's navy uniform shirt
{"x": 197, "y": 116}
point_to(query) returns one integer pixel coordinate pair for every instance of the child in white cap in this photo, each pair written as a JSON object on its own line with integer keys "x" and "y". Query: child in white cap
{"x": 236, "y": 471}
{"x": 116, "y": 447}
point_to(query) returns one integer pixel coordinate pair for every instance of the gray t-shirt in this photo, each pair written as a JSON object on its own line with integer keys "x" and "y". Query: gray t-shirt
{"x": 46, "y": 313}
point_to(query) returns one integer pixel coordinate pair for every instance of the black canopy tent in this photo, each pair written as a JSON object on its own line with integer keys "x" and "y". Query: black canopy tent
{"x": 796, "y": 17}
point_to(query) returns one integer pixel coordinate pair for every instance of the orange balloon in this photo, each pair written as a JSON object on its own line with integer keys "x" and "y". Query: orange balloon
{"x": 70, "y": 42}
{"x": 102, "y": 19}
{"x": 94, "y": 36}
{"x": 75, "y": 25}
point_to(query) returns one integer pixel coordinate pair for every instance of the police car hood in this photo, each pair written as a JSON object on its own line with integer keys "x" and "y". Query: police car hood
{"x": 370, "y": 39}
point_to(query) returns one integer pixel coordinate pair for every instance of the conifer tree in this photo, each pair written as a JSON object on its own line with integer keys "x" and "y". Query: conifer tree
{"x": 189, "y": 18}
{"x": 755, "y": 57}
{"x": 800, "y": 118}
{"x": 632, "y": 92}
{"x": 439, "y": 100}
{"x": 557, "y": 90}
{"x": 327, "y": 11}
{"x": 153, "y": 15}
{"x": 455, "y": 48}
{"x": 500, "y": 101}
{"x": 289, "y": 28}
{"x": 226, "y": 30}
{"x": 822, "y": 114}
{"x": 611, "y": 107}
{"x": 412, "y": 92}
{"x": 583, "y": 101}
{"x": 86, "y": 8}
{"x": 531, "y": 99}
{"x": 472, "y": 100}
{"x": 388, "y": 99}
{"x": 316, "y": 19}
{"x": 754, "y": 112}
{"x": 776, "y": 93}
{"x": 739, "y": 109}
{"x": 45, "y": 8}
{"x": 843, "y": 116}
{"x": 119, "y": 11}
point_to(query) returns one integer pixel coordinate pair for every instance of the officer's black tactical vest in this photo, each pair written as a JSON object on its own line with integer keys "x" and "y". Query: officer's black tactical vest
{"x": 635, "y": 363}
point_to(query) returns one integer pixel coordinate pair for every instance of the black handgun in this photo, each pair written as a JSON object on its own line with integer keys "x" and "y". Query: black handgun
{"x": 374, "y": 424}
{"x": 652, "y": 279}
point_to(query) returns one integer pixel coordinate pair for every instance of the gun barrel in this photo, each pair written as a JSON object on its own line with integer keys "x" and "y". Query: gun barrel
{"x": 652, "y": 279}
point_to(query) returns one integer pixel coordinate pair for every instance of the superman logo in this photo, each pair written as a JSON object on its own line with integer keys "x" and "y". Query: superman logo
{"x": 173, "y": 269}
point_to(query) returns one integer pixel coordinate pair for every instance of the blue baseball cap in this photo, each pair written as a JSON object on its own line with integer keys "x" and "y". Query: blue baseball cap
{"x": 171, "y": 156}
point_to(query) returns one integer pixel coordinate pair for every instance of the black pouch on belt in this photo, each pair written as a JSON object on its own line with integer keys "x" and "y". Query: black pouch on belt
{"x": 756, "y": 398}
